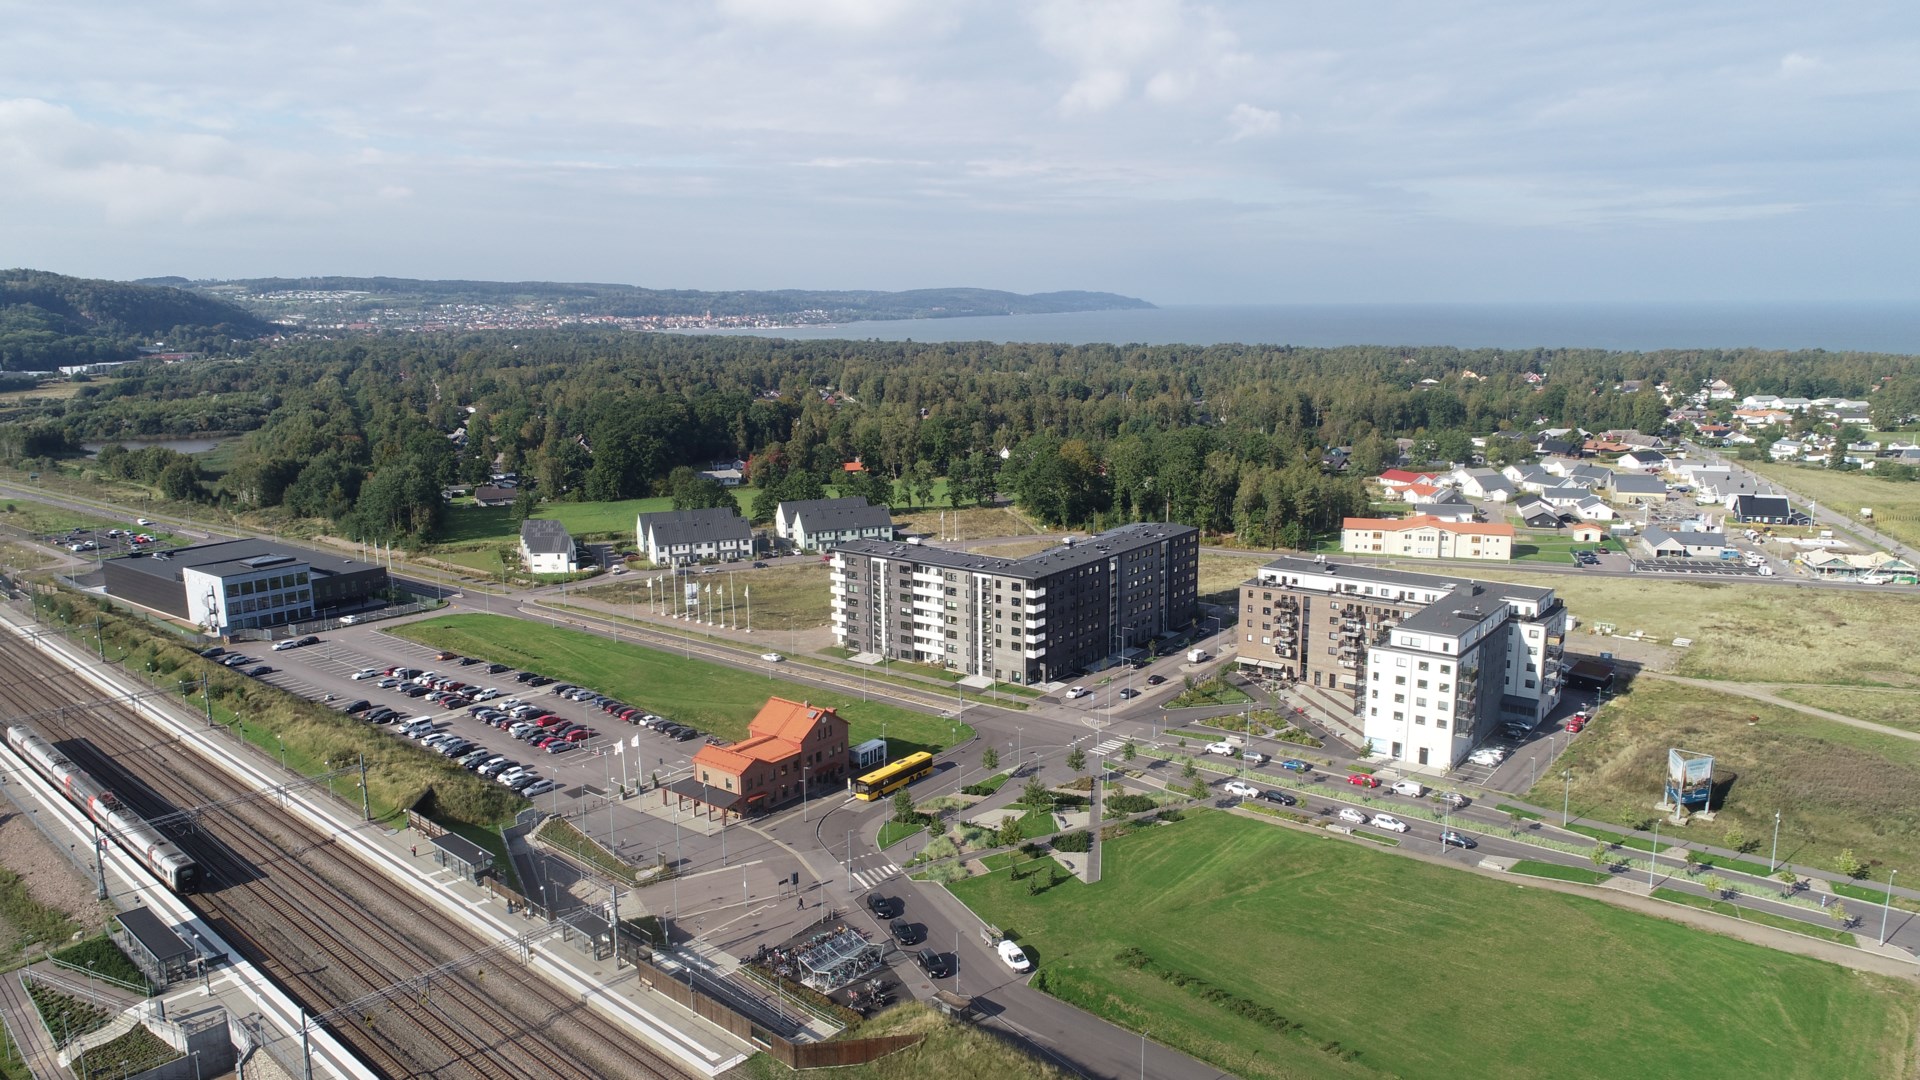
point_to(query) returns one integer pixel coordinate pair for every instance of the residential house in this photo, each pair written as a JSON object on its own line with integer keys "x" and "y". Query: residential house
{"x": 1456, "y": 509}
{"x": 1394, "y": 481}
{"x": 494, "y": 495}
{"x": 1761, "y": 509}
{"x": 1558, "y": 447}
{"x": 790, "y": 747}
{"x": 822, "y": 524}
{"x": 1761, "y": 417}
{"x": 730, "y": 473}
{"x": 1760, "y": 401}
{"x": 1878, "y": 568}
{"x": 1483, "y": 484}
{"x": 1530, "y": 478}
{"x": 1426, "y": 537}
{"x": 680, "y": 537}
{"x": 1564, "y": 498}
{"x": 1788, "y": 449}
{"x": 1630, "y": 489}
{"x": 1686, "y": 544}
{"x": 1637, "y": 440}
{"x": 1719, "y": 390}
{"x": 1644, "y": 460}
{"x": 1584, "y": 533}
{"x": 1594, "y": 508}
{"x": 1713, "y": 431}
{"x": 546, "y": 547}
{"x": 1537, "y": 514}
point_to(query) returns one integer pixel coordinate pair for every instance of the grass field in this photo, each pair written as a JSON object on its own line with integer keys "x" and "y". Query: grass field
{"x": 1838, "y": 787}
{"x": 1221, "y": 575}
{"x": 1895, "y": 503}
{"x": 1781, "y": 922}
{"x": 1767, "y": 633}
{"x": 793, "y": 597}
{"x": 950, "y": 1051}
{"x": 1536, "y": 868}
{"x": 715, "y": 698}
{"x": 895, "y": 831}
{"x": 466, "y": 523}
{"x": 1894, "y": 708}
{"x": 969, "y": 523}
{"x": 41, "y": 519}
{"x": 1364, "y": 950}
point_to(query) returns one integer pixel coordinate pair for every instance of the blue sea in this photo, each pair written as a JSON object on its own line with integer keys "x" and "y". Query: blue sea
{"x": 1631, "y": 327}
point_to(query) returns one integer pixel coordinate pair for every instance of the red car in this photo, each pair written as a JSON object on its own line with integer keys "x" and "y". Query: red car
{"x": 1574, "y": 724}
{"x": 580, "y": 734}
{"x": 1363, "y": 780}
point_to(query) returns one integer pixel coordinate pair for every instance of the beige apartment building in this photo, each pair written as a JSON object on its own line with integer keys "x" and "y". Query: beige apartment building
{"x": 1423, "y": 536}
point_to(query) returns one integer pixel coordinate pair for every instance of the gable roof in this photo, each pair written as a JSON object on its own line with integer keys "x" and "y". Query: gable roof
{"x": 1636, "y": 484}
{"x": 542, "y": 536}
{"x": 1761, "y": 506}
{"x": 837, "y": 515}
{"x": 670, "y": 528}
{"x": 1425, "y": 521}
{"x": 777, "y": 732}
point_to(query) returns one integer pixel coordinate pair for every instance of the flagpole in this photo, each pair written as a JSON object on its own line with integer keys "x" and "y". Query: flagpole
{"x": 749, "y": 592}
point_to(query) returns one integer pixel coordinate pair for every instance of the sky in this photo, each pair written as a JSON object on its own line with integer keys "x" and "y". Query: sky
{"x": 1183, "y": 152}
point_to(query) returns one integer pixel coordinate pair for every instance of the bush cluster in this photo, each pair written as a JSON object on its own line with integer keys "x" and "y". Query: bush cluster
{"x": 1130, "y": 804}
{"x": 1074, "y": 841}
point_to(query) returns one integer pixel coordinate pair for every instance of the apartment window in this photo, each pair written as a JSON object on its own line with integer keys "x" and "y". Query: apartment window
{"x": 1423, "y": 684}
{"x": 1423, "y": 665}
{"x": 1399, "y": 661}
{"x": 1441, "y": 705}
{"x": 1399, "y": 699}
{"x": 1421, "y": 702}
{"x": 1446, "y": 669}
{"x": 1373, "y": 712}
{"x": 1439, "y": 723}
{"x": 1399, "y": 680}
{"x": 1529, "y": 684}
{"x": 1420, "y": 720}
{"x": 1376, "y": 676}
{"x": 1399, "y": 716}
{"x": 1446, "y": 688}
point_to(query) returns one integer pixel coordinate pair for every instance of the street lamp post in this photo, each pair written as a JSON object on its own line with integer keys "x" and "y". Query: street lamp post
{"x": 1566, "y": 796}
{"x": 803, "y": 793}
{"x": 1653, "y": 857}
{"x": 1886, "y": 905}
{"x": 1143, "y": 1053}
{"x": 1773, "y": 861}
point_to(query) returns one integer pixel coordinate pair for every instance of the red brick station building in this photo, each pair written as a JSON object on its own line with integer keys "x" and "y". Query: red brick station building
{"x": 789, "y": 745}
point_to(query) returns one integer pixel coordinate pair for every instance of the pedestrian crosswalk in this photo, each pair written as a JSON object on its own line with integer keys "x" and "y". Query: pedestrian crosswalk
{"x": 1110, "y": 747}
{"x": 872, "y": 877}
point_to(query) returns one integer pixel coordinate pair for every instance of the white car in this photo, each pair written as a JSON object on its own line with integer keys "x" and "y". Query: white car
{"x": 1388, "y": 822}
{"x": 1224, "y": 749}
{"x": 1243, "y": 790}
{"x": 772, "y": 657}
{"x": 1351, "y": 816}
{"x": 1487, "y": 756}
{"x": 141, "y": 521}
{"x": 1078, "y": 692}
{"x": 366, "y": 673}
{"x": 1012, "y": 954}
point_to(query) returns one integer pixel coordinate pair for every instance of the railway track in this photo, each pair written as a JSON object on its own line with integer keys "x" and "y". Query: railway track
{"x": 313, "y": 918}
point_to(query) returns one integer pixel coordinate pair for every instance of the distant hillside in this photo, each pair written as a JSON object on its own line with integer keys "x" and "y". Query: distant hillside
{"x": 351, "y": 296}
{"x": 50, "y": 320}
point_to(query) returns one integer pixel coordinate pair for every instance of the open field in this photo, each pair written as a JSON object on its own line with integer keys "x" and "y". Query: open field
{"x": 970, "y": 523}
{"x": 1895, "y": 503}
{"x": 1838, "y": 787}
{"x": 716, "y": 698}
{"x": 466, "y": 523}
{"x": 50, "y": 390}
{"x": 950, "y": 1051}
{"x": 1768, "y": 633}
{"x": 1359, "y": 951}
{"x": 1221, "y": 575}
{"x": 783, "y": 597}
{"x": 1894, "y": 708}
{"x": 41, "y": 518}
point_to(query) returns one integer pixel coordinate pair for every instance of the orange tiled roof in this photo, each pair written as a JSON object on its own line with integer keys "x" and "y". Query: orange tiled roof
{"x": 775, "y": 733}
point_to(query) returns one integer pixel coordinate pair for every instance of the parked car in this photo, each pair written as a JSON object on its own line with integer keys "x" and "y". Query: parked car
{"x": 885, "y": 907}
{"x": 933, "y": 963}
{"x": 1296, "y": 765}
{"x": 495, "y": 669}
{"x": 1280, "y": 797}
{"x": 1223, "y": 748}
{"x": 1459, "y": 840}
{"x": 212, "y": 651}
{"x": 357, "y": 705}
{"x": 365, "y": 673}
{"x": 1575, "y": 724}
{"x": 559, "y": 745}
{"x": 283, "y": 646}
{"x": 1240, "y": 789}
{"x": 1014, "y": 957}
{"x": 1388, "y": 822}
{"x": 1078, "y": 692}
{"x": 1363, "y": 780}
{"x": 905, "y": 932}
{"x": 259, "y": 670}
{"x": 1487, "y": 755}
{"x": 539, "y": 788}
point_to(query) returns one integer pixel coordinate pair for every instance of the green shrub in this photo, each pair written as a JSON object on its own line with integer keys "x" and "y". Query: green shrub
{"x": 1074, "y": 841}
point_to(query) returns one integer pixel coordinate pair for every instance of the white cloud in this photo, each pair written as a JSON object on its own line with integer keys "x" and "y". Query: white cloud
{"x": 1252, "y": 122}
{"x": 862, "y": 15}
{"x": 1168, "y": 47}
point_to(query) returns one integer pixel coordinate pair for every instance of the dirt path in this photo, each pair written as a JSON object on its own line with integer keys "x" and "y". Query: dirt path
{"x": 1764, "y": 692}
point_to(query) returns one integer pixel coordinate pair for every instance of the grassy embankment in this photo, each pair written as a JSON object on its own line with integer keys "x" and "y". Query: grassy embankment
{"x": 790, "y": 597}
{"x": 1261, "y": 916}
{"x": 714, "y": 697}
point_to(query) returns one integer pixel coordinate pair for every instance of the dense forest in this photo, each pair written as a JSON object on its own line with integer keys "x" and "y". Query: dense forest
{"x": 48, "y": 321}
{"x": 587, "y": 298}
{"x": 366, "y": 432}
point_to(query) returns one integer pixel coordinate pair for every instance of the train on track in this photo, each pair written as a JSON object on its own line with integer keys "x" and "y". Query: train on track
{"x": 175, "y": 868}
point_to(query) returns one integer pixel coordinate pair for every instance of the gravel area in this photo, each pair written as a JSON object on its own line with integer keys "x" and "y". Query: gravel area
{"x": 50, "y": 877}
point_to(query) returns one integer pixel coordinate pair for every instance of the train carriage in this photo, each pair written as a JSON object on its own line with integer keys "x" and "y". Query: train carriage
{"x": 163, "y": 857}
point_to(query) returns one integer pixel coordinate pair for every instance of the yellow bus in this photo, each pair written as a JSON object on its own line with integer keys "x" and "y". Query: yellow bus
{"x": 885, "y": 780}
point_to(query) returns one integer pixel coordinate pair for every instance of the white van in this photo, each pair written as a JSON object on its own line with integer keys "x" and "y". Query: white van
{"x": 1410, "y": 788}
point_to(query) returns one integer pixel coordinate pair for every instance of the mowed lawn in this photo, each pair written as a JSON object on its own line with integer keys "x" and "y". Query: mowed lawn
{"x": 1836, "y": 786}
{"x": 791, "y": 597}
{"x": 710, "y": 696}
{"x": 1422, "y": 971}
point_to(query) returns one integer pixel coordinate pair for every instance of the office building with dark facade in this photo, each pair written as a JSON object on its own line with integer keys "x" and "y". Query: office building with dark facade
{"x": 1028, "y": 620}
{"x": 244, "y": 584}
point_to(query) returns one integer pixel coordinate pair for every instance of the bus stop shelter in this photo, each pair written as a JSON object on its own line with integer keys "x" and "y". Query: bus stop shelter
{"x": 162, "y": 955}
{"x": 463, "y": 856}
{"x": 587, "y": 932}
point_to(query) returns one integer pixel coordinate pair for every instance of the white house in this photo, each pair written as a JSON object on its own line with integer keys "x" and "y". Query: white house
{"x": 1426, "y": 537}
{"x": 679, "y": 537}
{"x": 820, "y": 524}
{"x": 546, "y": 547}
{"x": 1644, "y": 460}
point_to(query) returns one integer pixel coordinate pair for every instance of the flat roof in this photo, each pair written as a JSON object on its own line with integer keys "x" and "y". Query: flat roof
{"x": 229, "y": 557}
{"x": 1463, "y": 587}
{"x": 463, "y": 849}
{"x": 1093, "y": 549}
{"x": 155, "y": 936}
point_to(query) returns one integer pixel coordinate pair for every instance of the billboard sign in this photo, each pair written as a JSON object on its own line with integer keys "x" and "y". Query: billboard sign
{"x": 1689, "y": 778}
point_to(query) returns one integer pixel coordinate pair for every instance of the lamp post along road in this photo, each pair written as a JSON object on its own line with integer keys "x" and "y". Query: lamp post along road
{"x": 1886, "y": 905}
{"x": 1773, "y": 860}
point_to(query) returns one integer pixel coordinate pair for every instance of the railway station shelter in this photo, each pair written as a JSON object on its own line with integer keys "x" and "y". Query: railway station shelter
{"x": 587, "y": 932}
{"x": 153, "y": 947}
{"x": 466, "y": 858}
